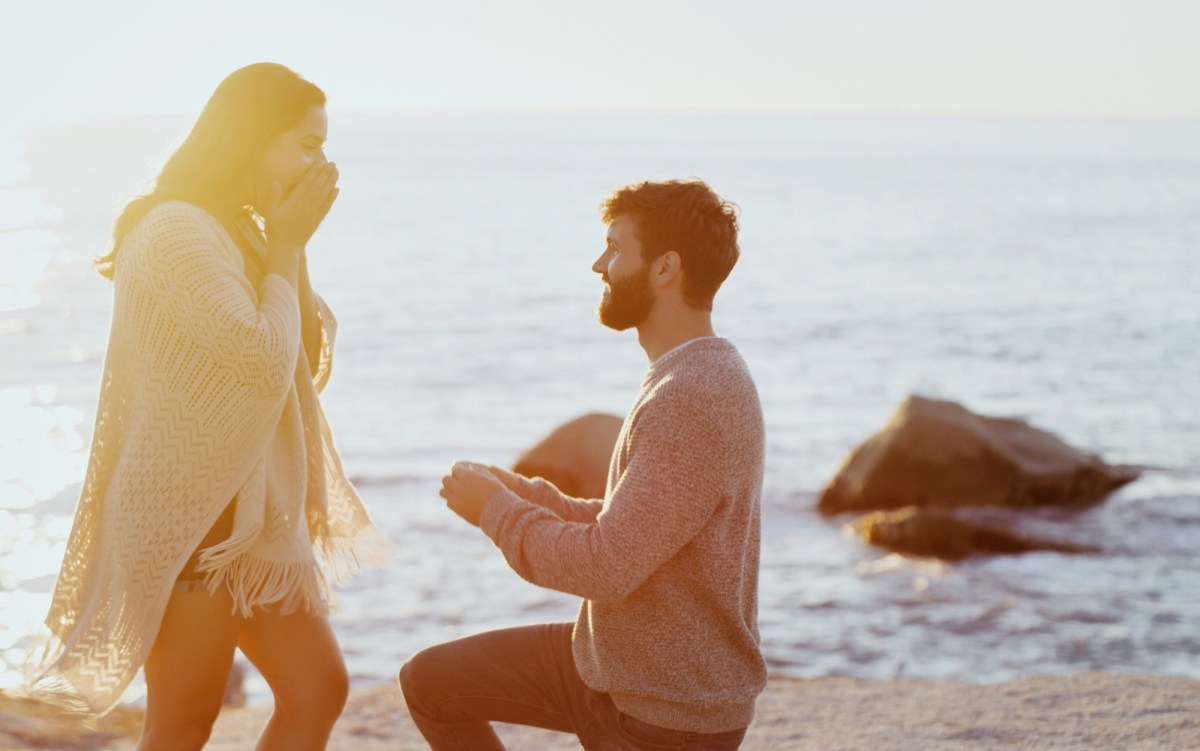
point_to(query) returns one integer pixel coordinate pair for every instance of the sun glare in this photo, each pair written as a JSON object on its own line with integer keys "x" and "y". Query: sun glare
{"x": 26, "y": 255}
{"x": 41, "y": 454}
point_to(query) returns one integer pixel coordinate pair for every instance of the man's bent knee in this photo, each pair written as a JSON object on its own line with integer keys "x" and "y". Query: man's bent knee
{"x": 408, "y": 683}
{"x": 414, "y": 679}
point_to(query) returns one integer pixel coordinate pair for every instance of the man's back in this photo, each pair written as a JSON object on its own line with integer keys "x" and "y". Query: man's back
{"x": 681, "y": 649}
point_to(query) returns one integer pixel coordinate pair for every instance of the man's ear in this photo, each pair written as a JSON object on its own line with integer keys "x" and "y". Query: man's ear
{"x": 666, "y": 268}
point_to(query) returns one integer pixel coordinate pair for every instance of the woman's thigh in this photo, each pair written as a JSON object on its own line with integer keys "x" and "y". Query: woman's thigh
{"x": 188, "y": 666}
{"x": 298, "y": 655}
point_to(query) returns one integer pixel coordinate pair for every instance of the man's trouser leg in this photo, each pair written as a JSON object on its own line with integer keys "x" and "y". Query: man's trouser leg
{"x": 524, "y": 676}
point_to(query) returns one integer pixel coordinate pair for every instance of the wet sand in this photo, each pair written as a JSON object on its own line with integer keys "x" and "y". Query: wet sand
{"x": 1089, "y": 711}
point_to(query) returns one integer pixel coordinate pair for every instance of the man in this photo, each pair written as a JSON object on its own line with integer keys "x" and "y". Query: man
{"x": 665, "y": 652}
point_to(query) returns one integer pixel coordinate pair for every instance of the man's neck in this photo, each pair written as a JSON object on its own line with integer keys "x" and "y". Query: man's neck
{"x": 663, "y": 331}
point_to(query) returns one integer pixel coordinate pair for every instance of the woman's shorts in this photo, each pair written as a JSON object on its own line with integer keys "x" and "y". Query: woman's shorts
{"x": 191, "y": 580}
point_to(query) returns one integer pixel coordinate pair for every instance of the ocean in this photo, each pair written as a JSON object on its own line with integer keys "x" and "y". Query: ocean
{"x": 1046, "y": 269}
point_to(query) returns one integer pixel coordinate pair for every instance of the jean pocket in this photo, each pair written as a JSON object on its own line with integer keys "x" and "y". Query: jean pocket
{"x": 643, "y": 735}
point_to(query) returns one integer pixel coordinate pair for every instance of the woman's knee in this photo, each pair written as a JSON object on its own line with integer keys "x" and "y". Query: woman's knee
{"x": 319, "y": 701}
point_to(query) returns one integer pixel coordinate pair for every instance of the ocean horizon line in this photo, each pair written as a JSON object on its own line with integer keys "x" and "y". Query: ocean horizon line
{"x": 649, "y": 112}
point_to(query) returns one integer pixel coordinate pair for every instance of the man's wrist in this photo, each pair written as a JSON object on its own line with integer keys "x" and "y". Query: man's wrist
{"x": 491, "y": 514}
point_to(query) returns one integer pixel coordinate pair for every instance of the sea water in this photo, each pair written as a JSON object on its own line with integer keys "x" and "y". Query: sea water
{"x": 1042, "y": 269}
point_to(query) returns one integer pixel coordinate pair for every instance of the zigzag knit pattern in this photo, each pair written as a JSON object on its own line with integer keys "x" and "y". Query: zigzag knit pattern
{"x": 206, "y": 395}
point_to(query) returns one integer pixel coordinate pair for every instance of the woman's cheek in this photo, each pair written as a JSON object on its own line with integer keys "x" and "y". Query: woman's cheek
{"x": 297, "y": 169}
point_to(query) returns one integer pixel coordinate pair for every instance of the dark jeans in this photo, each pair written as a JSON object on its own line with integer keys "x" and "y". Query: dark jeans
{"x": 525, "y": 676}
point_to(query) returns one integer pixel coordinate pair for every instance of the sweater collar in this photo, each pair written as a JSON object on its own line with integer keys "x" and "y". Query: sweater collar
{"x": 672, "y": 353}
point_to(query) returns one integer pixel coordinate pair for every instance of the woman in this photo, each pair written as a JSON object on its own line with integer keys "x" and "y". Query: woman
{"x": 215, "y": 510}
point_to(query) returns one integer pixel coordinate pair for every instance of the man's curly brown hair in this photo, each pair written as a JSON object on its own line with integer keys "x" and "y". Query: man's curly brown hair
{"x": 687, "y": 217}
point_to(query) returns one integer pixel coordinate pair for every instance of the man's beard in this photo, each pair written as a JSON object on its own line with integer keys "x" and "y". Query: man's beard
{"x": 628, "y": 301}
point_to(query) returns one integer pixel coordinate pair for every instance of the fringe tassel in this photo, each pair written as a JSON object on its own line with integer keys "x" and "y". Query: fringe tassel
{"x": 42, "y": 681}
{"x": 45, "y": 684}
{"x": 343, "y": 557}
{"x": 55, "y": 691}
{"x": 256, "y": 583}
{"x": 224, "y": 553}
{"x": 45, "y": 649}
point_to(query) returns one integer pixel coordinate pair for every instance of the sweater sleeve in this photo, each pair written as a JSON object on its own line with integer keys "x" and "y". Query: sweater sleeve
{"x": 547, "y": 495}
{"x": 665, "y": 496}
{"x": 183, "y": 273}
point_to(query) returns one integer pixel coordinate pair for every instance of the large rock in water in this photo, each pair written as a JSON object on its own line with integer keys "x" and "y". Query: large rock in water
{"x": 941, "y": 533}
{"x": 937, "y": 453}
{"x": 575, "y": 455}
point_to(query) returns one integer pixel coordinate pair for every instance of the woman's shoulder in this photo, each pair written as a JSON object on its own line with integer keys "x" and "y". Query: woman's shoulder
{"x": 172, "y": 229}
{"x": 173, "y": 223}
{"x": 179, "y": 214}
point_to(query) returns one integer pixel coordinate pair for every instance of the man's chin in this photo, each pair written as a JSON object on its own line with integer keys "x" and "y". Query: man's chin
{"x": 617, "y": 326}
{"x": 606, "y": 317}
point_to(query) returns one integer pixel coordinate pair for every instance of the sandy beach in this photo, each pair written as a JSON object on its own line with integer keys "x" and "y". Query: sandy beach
{"x": 1096, "y": 710}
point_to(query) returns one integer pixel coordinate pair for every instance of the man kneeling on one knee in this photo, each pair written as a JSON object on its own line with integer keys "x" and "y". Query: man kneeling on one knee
{"x": 665, "y": 652}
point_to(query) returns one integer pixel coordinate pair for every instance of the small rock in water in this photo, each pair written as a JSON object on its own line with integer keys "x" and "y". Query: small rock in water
{"x": 575, "y": 455}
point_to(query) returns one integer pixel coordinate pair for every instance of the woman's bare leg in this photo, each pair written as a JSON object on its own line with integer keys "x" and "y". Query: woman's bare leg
{"x": 187, "y": 670}
{"x": 299, "y": 657}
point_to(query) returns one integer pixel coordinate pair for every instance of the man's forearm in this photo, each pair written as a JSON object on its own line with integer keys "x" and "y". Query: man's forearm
{"x": 571, "y": 509}
{"x": 543, "y": 493}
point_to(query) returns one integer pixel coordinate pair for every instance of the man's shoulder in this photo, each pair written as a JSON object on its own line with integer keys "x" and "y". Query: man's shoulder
{"x": 711, "y": 366}
{"x": 711, "y": 383}
{"x": 707, "y": 400}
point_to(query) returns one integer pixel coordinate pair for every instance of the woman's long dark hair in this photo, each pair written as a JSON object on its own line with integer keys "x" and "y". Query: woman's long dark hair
{"x": 252, "y": 107}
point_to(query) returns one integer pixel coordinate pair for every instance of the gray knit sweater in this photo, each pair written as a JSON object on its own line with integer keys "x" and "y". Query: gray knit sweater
{"x": 667, "y": 562}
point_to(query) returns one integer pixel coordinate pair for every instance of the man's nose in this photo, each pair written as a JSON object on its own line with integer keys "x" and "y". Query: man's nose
{"x": 598, "y": 266}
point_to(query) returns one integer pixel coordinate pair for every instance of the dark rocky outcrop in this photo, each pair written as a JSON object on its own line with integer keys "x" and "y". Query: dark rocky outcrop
{"x": 575, "y": 455}
{"x": 941, "y": 533}
{"x": 938, "y": 454}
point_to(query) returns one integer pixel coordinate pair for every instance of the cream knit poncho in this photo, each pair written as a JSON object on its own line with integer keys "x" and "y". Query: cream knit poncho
{"x": 206, "y": 395}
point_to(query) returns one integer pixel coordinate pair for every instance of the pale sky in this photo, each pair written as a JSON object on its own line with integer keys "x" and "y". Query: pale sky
{"x": 63, "y": 62}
